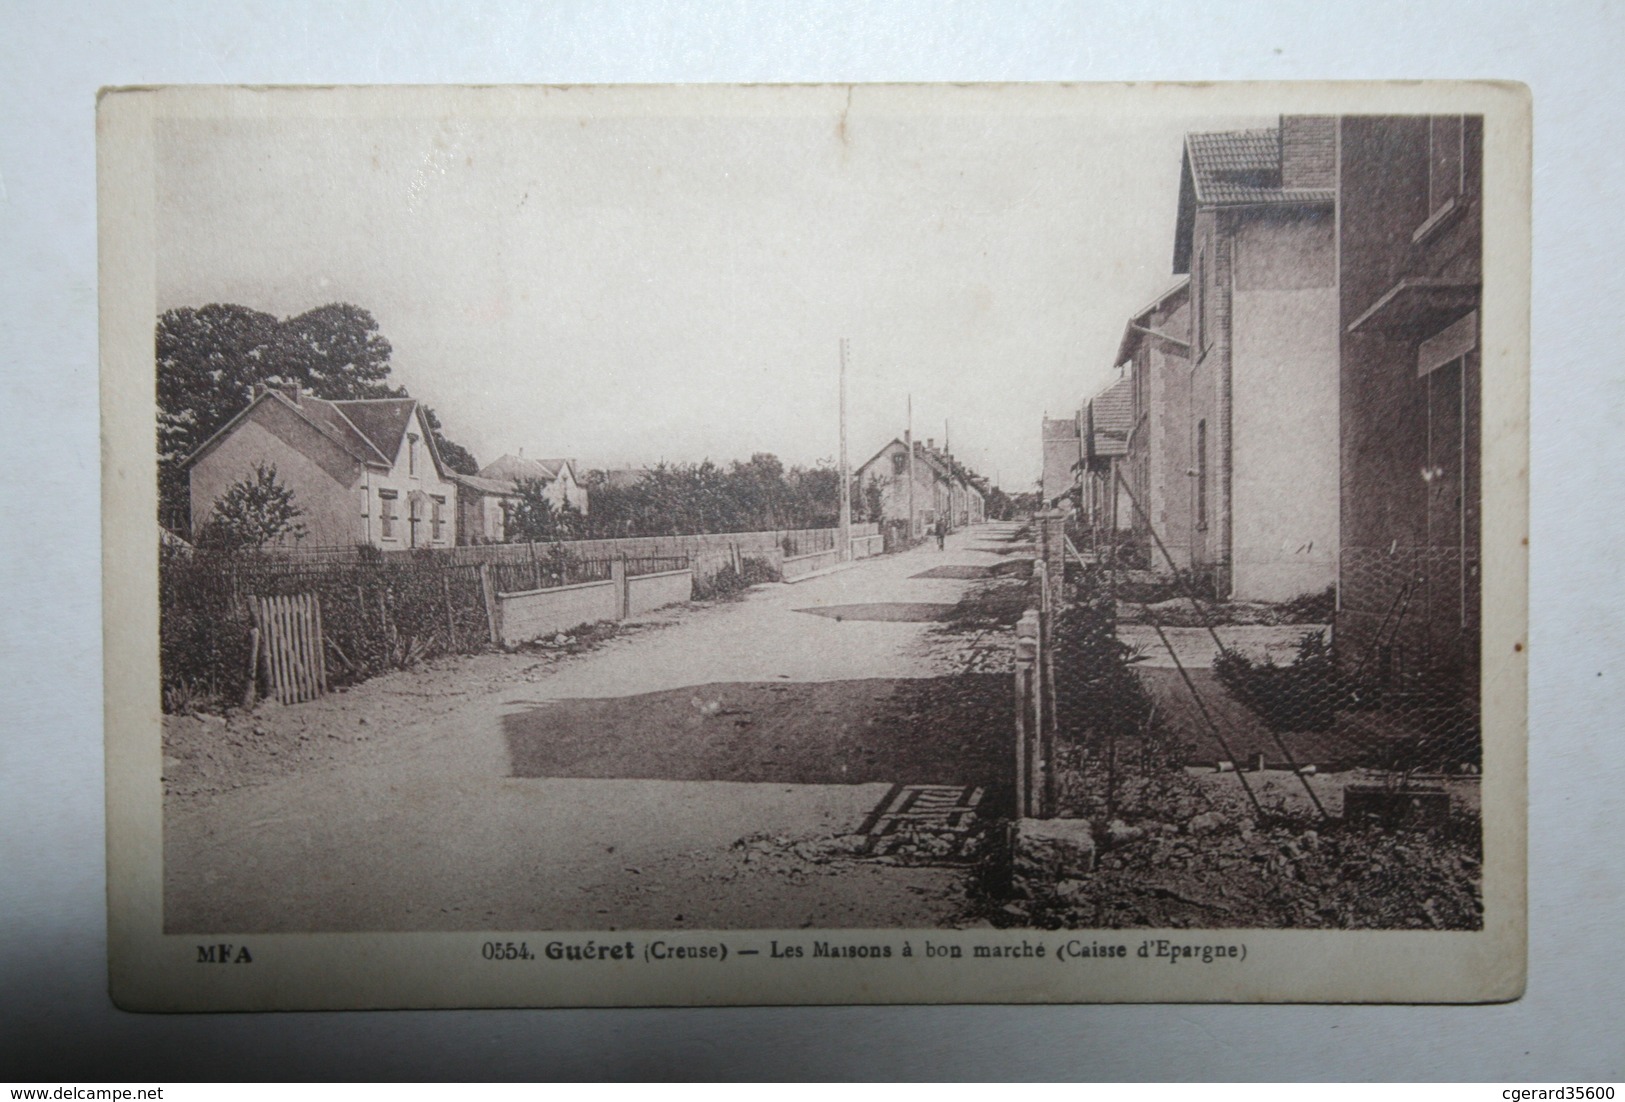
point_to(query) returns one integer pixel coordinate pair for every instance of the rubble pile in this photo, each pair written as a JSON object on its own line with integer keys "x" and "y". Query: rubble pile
{"x": 1211, "y": 869}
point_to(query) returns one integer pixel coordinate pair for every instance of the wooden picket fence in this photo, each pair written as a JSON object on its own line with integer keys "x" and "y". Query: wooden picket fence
{"x": 287, "y": 641}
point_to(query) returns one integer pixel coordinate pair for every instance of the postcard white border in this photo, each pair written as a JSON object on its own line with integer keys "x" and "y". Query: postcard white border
{"x": 154, "y": 971}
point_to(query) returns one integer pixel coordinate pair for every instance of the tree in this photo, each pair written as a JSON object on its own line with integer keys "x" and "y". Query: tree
{"x": 873, "y": 497}
{"x": 454, "y": 455}
{"x": 335, "y": 351}
{"x": 254, "y": 513}
{"x": 209, "y": 358}
{"x": 533, "y": 518}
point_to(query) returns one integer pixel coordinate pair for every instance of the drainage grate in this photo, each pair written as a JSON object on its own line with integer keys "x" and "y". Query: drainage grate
{"x": 925, "y": 822}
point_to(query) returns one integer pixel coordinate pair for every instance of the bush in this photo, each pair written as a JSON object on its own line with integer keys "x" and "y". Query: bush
{"x": 1300, "y": 697}
{"x": 376, "y": 616}
{"x": 728, "y": 582}
{"x": 1097, "y": 693}
{"x": 1311, "y": 608}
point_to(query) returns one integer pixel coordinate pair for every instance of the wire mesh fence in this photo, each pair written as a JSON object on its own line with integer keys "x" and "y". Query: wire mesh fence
{"x": 1147, "y": 670}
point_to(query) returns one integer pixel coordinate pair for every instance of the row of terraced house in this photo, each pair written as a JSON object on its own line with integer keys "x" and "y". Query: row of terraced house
{"x": 1299, "y": 409}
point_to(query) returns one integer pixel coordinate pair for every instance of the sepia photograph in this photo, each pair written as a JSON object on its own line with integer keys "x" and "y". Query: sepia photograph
{"x": 807, "y": 544}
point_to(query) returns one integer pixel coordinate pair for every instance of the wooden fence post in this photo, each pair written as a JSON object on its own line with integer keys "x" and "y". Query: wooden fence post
{"x": 623, "y": 592}
{"x": 251, "y": 691}
{"x": 451, "y": 618}
{"x": 488, "y": 593}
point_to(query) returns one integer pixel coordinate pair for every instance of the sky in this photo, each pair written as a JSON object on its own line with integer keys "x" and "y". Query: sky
{"x": 624, "y": 286}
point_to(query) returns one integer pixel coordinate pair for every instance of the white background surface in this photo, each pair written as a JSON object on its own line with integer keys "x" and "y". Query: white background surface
{"x": 55, "y": 1020}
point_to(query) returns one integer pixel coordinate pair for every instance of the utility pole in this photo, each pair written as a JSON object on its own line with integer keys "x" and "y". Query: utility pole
{"x": 846, "y": 475}
{"x": 908, "y": 445}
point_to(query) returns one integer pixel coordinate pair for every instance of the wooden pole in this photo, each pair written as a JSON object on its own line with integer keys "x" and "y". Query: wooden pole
{"x": 488, "y": 593}
{"x": 908, "y": 444}
{"x": 321, "y": 645}
{"x": 451, "y": 619}
{"x": 253, "y": 661}
{"x": 846, "y": 473}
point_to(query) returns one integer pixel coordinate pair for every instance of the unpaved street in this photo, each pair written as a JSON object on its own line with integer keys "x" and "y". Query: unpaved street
{"x": 716, "y": 767}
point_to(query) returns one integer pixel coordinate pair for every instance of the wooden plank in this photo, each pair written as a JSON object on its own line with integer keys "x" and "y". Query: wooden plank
{"x": 284, "y": 650}
{"x": 273, "y": 658}
{"x": 253, "y": 663}
{"x": 273, "y": 649}
{"x": 297, "y": 635}
{"x": 488, "y": 593}
{"x": 451, "y": 619}
{"x": 321, "y": 647}
{"x": 296, "y": 672}
{"x": 307, "y": 648}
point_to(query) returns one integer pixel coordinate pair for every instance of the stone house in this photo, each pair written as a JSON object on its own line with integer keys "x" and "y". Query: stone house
{"x": 482, "y": 508}
{"x": 1410, "y": 271}
{"x": 1063, "y": 450}
{"x": 1255, "y": 234}
{"x": 1161, "y": 461}
{"x": 1107, "y": 420}
{"x": 362, "y": 472}
{"x": 942, "y": 488}
{"x": 564, "y": 487}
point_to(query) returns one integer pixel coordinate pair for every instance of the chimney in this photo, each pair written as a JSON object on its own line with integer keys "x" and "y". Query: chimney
{"x": 255, "y": 391}
{"x": 1308, "y": 151}
{"x": 931, "y": 443}
{"x": 291, "y": 392}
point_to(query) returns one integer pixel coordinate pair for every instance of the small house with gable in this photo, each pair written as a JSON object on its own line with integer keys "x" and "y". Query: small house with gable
{"x": 364, "y": 471}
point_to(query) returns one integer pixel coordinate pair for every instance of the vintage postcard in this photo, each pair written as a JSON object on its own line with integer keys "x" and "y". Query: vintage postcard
{"x": 775, "y": 544}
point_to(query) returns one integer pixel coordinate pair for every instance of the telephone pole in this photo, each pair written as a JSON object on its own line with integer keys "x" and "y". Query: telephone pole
{"x": 908, "y": 445}
{"x": 846, "y": 475}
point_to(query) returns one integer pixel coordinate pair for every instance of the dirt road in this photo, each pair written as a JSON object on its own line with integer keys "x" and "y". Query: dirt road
{"x": 715, "y": 767}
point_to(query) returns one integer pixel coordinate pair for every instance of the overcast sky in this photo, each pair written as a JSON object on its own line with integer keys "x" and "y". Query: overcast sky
{"x": 623, "y": 289}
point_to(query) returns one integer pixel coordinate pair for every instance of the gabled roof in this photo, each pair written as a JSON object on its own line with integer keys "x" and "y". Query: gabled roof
{"x": 368, "y": 429}
{"x": 382, "y": 421}
{"x": 1140, "y": 320}
{"x": 515, "y": 467}
{"x": 623, "y": 478}
{"x": 1233, "y": 168}
{"x": 894, "y": 442}
{"x": 1111, "y": 417}
{"x": 482, "y": 485}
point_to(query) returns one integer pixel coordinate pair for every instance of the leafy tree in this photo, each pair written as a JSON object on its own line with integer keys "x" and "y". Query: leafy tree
{"x": 873, "y": 498}
{"x": 533, "y": 518}
{"x": 254, "y": 513}
{"x": 209, "y": 358}
{"x": 454, "y": 455}
{"x": 336, "y": 351}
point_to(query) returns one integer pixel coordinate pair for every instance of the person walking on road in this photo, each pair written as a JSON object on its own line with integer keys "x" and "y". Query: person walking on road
{"x": 942, "y": 534}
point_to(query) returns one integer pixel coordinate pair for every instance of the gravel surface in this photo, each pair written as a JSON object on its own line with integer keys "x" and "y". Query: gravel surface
{"x": 580, "y": 786}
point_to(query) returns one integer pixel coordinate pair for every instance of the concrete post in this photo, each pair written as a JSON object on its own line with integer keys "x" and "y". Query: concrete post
{"x": 1050, "y": 529}
{"x": 1026, "y": 697}
{"x": 623, "y": 595}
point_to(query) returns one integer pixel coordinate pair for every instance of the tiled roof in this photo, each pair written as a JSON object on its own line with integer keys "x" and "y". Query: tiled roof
{"x": 370, "y": 430}
{"x": 482, "y": 485}
{"x": 623, "y": 478}
{"x": 1243, "y": 166}
{"x": 328, "y": 416}
{"x": 1111, "y": 416}
{"x": 514, "y": 467}
{"x": 382, "y": 421}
